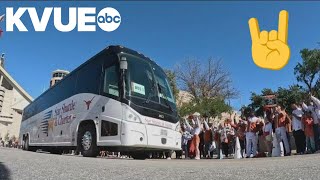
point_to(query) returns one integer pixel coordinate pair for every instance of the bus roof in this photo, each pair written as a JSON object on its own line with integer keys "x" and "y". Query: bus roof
{"x": 112, "y": 49}
{"x": 118, "y": 49}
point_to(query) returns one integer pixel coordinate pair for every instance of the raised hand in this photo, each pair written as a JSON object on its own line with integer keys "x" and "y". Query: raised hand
{"x": 270, "y": 49}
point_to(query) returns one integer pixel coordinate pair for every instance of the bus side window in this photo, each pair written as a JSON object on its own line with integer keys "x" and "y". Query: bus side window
{"x": 111, "y": 81}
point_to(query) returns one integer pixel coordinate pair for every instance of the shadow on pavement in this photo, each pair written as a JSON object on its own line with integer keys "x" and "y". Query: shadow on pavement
{"x": 4, "y": 172}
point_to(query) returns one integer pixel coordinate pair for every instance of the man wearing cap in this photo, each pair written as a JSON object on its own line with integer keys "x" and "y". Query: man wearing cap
{"x": 298, "y": 134}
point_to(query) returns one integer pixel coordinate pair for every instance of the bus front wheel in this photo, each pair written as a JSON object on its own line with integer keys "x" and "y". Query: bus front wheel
{"x": 88, "y": 141}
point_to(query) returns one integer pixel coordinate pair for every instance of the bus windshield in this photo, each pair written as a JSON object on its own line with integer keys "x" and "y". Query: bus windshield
{"x": 164, "y": 89}
{"x": 146, "y": 82}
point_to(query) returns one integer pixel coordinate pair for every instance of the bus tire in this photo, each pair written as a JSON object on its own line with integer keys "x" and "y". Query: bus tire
{"x": 139, "y": 155}
{"x": 26, "y": 143}
{"x": 27, "y": 146}
{"x": 88, "y": 141}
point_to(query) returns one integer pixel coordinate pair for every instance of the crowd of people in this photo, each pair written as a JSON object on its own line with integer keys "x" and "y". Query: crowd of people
{"x": 13, "y": 142}
{"x": 252, "y": 136}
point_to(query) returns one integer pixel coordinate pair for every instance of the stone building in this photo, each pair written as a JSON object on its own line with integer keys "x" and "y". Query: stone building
{"x": 13, "y": 99}
{"x": 183, "y": 97}
{"x": 57, "y": 75}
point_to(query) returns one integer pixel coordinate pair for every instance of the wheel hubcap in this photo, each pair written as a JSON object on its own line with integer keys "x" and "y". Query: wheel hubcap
{"x": 86, "y": 140}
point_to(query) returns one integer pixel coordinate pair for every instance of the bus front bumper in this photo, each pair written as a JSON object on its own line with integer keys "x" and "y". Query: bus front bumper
{"x": 144, "y": 136}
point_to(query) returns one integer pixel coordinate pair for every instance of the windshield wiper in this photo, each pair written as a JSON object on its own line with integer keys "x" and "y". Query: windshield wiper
{"x": 166, "y": 98}
{"x": 151, "y": 92}
{"x": 149, "y": 97}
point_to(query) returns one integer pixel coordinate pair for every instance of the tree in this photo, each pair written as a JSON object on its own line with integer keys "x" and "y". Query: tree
{"x": 294, "y": 94}
{"x": 207, "y": 80}
{"x": 209, "y": 85}
{"x": 308, "y": 72}
{"x": 285, "y": 97}
{"x": 257, "y": 101}
{"x": 245, "y": 111}
{"x": 172, "y": 81}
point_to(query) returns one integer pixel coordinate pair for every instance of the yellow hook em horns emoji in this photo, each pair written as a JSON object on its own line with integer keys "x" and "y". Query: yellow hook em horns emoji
{"x": 270, "y": 49}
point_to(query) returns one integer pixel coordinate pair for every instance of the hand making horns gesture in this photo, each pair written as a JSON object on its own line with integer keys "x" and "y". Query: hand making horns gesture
{"x": 270, "y": 49}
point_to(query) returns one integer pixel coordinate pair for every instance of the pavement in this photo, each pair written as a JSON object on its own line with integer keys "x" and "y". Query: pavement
{"x": 18, "y": 164}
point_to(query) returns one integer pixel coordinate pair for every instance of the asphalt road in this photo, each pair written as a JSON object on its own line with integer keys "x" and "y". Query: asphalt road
{"x": 18, "y": 164}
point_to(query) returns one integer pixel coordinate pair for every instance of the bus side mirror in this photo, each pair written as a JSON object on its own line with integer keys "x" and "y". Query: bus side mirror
{"x": 123, "y": 63}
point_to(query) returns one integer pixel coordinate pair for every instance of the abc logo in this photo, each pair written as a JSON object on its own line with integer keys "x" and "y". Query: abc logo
{"x": 109, "y": 19}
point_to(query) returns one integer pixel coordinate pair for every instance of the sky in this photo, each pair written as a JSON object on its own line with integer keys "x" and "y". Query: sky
{"x": 167, "y": 32}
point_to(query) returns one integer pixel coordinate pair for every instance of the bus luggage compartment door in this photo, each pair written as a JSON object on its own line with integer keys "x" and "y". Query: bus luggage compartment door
{"x": 110, "y": 131}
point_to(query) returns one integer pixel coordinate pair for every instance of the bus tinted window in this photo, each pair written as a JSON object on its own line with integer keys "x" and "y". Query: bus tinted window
{"x": 111, "y": 80}
{"x": 88, "y": 80}
{"x": 85, "y": 79}
{"x": 53, "y": 96}
{"x": 63, "y": 90}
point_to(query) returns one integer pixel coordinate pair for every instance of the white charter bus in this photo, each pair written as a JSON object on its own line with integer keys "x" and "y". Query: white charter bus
{"x": 119, "y": 100}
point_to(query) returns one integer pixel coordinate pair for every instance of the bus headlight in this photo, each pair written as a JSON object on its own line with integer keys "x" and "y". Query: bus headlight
{"x": 132, "y": 117}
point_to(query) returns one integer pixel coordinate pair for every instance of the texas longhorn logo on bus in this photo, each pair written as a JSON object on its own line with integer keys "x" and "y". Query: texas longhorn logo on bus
{"x": 80, "y": 18}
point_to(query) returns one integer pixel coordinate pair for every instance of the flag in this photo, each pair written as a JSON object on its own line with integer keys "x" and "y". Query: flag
{"x": 2, "y": 18}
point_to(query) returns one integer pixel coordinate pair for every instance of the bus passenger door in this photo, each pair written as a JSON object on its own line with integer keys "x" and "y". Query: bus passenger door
{"x": 110, "y": 119}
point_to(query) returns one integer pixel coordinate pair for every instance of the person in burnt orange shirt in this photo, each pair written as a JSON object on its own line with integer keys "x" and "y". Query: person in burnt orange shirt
{"x": 308, "y": 130}
{"x": 207, "y": 139}
{"x": 240, "y": 129}
{"x": 281, "y": 119}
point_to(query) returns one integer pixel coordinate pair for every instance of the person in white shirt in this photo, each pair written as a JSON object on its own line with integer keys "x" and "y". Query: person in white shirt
{"x": 298, "y": 134}
{"x": 251, "y": 135}
{"x": 314, "y": 107}
{"x": 217, "y": 138}
{"x": 186, "y": 136}
{"x": 195, "y": 131}
{"x": 227, "y": 132}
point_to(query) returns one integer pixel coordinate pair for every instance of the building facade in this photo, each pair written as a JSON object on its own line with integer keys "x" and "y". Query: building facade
{"x": 13, "y": 99}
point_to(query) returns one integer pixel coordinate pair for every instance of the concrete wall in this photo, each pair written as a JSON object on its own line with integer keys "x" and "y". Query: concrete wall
{"x": 7, "y": 102}
{"x": 11, "y": 112}
{"x": 18, "y": 101}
